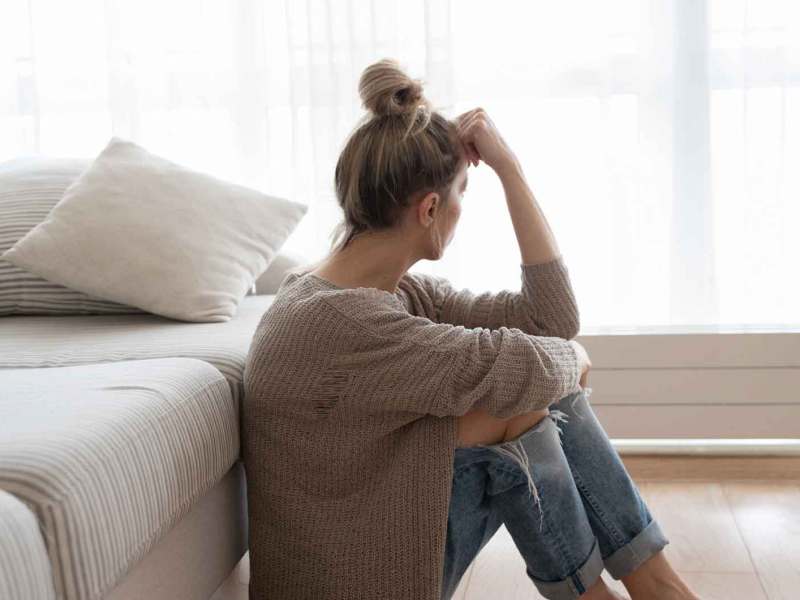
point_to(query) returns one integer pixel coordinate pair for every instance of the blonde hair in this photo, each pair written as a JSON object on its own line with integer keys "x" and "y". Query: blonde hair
{"x": 401, "y": 150}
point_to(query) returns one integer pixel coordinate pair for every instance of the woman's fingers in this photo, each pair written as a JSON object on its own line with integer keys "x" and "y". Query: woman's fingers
{"x": 475, "y": 153}
{"x": 466, "y": 124}
{"x": 467, "y": 132}
{"x": 471, "y": 118}
{"x": 465, "y": 115}
{"x": 463, "y": 122}
{"x": 468, "y": 153}
{"x": 472, "y": 127}
{"x": 465, "y": 149}
{"x": 466, "y": 138}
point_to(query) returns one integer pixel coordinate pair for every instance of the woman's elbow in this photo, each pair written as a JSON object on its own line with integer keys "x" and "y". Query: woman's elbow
{"x": 572, "y": 330}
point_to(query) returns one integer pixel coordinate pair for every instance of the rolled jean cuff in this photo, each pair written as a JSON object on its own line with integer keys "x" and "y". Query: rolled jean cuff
{"x": 643, "y": 546}
{"x": 576, "y": 584}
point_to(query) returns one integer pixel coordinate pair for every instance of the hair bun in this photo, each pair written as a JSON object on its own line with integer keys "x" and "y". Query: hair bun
{"x": 386, "y": 89}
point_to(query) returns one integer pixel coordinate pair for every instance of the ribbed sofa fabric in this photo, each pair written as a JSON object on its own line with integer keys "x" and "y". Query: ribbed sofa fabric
{"x": 29, "y": 189}
{"x": 25, "y": 572}
{"x": 110, "y": 456}
{"x": 36, "y": 341}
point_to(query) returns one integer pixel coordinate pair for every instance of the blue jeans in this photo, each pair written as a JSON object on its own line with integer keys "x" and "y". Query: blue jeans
{"x": 565, "y": 498}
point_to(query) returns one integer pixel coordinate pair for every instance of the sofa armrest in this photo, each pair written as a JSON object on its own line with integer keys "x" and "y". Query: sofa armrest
{"x": 270, "y": 280}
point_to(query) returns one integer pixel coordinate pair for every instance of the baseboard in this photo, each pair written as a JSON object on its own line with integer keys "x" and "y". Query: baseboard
{"x": 644, "y": 467}
{"x": 708, "y": 447}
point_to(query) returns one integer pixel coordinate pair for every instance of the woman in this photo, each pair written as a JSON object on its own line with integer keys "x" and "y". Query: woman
{"x": 391, "y": 423}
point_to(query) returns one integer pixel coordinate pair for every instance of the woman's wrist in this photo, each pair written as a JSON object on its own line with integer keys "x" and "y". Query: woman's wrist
{"x": 509, "y": 170}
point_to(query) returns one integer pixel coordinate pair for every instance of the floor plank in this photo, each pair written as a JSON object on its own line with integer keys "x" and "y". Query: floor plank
{"x": 711, "y": 586}
{"x": 699, "y": 524}
{"x": 768, "y": 516}
{"x": 663, "y": 467}
{"x": 498, "y": 571}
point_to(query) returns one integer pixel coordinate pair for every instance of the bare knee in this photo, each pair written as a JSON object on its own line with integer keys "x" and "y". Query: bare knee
{"x": 517, "y": 425}
{"x": 478, "y": 427}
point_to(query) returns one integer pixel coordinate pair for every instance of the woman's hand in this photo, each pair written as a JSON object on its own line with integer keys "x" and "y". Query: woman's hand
{"x": 584, "y": 361}
{"x": 482, "y": 141}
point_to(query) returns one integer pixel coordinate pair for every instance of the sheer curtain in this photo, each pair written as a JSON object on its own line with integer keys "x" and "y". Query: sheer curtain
{"x": 660, "y": 137}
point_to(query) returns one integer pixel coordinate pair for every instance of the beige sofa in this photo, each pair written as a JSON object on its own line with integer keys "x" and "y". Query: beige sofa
{"x": 120, "y": 475}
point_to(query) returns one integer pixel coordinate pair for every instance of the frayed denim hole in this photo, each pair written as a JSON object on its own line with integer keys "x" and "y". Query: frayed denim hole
{"x": 559, "y": 416}
{"x": 516, "y": 452}
{"x": 586, "y": 392}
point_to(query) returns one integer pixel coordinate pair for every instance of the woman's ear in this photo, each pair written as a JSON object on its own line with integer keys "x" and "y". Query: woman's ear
{"x": 430, "y": 204}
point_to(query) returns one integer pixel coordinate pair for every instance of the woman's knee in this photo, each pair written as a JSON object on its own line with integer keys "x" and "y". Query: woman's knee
{"x": 521, "y": 423}
{"x": 478, "y": 427}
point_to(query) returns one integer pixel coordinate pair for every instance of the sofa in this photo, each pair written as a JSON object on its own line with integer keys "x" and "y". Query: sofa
{"x": 120, "y": 474}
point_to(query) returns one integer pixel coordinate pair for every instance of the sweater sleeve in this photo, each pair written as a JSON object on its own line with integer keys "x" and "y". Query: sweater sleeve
{"x": 545, "y": 305}
{"x": 409, "y": 362}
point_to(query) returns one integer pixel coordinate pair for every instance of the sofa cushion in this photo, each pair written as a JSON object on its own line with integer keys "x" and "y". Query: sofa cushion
{"x": 138, "y": 229}
{"x": 271, "y": 279}
{"x": 34, "y": 341}
{"x": 29, "y": 189}
{"x": 24, "y": 565}
{"x": 110, "y": 456}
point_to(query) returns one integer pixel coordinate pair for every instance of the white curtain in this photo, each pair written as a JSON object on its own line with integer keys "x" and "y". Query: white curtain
{"x": 661, "y": 138}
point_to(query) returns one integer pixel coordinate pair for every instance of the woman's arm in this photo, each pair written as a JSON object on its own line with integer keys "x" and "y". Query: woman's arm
{"x": 398, "y": 361}
{"x": 546, "y": 304}
{"x": 482, "y": 141}
{"x": 537, "y": 244}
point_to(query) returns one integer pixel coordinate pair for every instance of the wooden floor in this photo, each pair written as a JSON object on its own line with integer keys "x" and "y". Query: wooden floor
{"x": 732, "y": 535}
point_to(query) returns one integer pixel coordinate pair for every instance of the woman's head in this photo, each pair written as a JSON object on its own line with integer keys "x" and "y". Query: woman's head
{"x": 402, "y": 162}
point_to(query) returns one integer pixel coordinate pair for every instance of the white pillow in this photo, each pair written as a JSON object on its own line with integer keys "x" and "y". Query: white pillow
{"x": 137, "y": 229}
{"x": 29, "y": 189}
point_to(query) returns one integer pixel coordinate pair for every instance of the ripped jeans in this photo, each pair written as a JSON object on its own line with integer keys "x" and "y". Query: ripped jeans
{"x": 565, "y": 498}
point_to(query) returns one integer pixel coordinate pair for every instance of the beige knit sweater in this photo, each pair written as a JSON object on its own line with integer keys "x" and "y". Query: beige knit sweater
{"x": 349, "y": 421}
